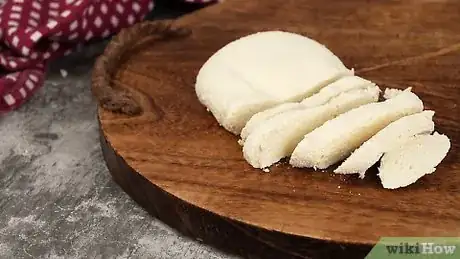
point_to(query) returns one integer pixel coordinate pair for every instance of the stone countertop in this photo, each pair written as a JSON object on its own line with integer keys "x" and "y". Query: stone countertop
{"x": 57, "y": 198}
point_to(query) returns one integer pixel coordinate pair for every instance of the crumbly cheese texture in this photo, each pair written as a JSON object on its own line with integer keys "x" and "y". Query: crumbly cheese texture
{"x": 337, "y": 138}
{"x": 417, "y": 157}
{"x": 262, "y": 70}
{"x": 390, "y": 137}
{"x": 393, "y": 92}
{"x": 262, "y": 116}
{"x": 343, "y": 84}
{"x": 276, "y": 137}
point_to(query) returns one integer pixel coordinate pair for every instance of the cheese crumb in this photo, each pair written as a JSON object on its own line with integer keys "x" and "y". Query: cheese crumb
{"x": 63, "y": 73}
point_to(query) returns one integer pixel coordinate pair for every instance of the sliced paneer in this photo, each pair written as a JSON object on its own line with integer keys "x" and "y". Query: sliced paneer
{"x": 344, "y": 84}
{"x": 417, "y": 157}
{"x": 390, "y": 137}
{"x": 337, "y": 138}
{"x": 276, "y": 137}
{"x": 262, "y": 116}
{"x": 262, "y": 70}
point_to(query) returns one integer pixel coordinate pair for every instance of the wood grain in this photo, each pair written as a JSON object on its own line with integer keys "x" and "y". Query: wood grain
{"x": 174, "y": 159}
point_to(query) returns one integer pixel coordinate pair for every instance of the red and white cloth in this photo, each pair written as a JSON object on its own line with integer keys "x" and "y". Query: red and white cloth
{"x": 33, "y": 32}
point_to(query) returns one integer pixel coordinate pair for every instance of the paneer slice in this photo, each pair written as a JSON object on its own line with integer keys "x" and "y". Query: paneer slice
{"x": 390, "y": 137}
{"x": 343, "y": 84}
{"x": 262, "y": 70}
{"x": 277, "y": 137}
{"x": 417, "y": 157}
{"x": 337, "y": 138}
{"x": 262, "y": 116}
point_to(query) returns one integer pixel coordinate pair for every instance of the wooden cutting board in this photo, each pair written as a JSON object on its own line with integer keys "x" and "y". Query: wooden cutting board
{"x": 175, "y": 160}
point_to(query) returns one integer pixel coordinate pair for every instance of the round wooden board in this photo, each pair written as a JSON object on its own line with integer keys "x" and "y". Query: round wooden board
{"x": 177, "y": 162}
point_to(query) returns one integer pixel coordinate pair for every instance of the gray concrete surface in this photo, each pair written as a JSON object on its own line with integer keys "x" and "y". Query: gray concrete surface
{"x": 57, "y": 199}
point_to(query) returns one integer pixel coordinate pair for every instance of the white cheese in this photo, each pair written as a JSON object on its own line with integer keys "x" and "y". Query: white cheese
{"x": 262, "y": 70}
{"x": 335, "y": 88}
{"x": 337, "y": 138}
{"x": 323, "y": 96}
{"x": 276, "y": 137}
{"x": 392, "y": 136}
{"x": 407, "y": 163}
{"x": 262, "y": 116}
{"x": 393, "y": 92}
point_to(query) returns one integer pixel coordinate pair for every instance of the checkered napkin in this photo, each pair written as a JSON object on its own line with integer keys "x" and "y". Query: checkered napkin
{"x": 33, "y": 32}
